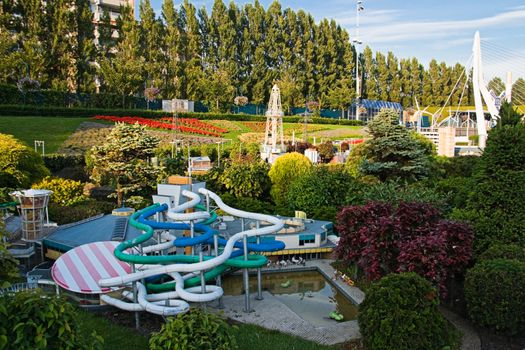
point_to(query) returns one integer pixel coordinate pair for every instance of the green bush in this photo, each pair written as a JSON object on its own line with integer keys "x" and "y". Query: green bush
{"x": 9, "y": 272}
{"x": 400, "y": 312}
{"x": 65, "y": 192}
{"x": 498, "y": 198}
{"x": 56, "y": 162}
{"x": 249, "y": 204}
{"x": 195, "y": 330}
{"x": 503, "y": 251}
{"x": 495, "y": 294}
{"x": 32, "y": 320}
{"x": 83, "y": 210}
{"x": 20, "y": 166}
{"x": 287, "y": 169}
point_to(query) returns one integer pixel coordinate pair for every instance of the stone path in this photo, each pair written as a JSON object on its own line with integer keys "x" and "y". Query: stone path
{"x": 271, "y": 313}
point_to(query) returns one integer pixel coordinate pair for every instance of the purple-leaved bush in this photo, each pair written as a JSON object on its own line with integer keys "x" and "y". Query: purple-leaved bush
{"x": 381, "y": 239}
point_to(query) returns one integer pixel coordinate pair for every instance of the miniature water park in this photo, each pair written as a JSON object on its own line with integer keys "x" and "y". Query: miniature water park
{"x": 252, "y": 177}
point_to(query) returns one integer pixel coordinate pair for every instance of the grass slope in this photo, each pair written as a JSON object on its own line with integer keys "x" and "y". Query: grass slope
{"x": 249, "y": 337}
{"x": 53, "y": 131}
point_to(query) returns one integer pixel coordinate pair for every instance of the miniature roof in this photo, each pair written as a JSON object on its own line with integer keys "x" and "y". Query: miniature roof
{"x": 377, "y": 104}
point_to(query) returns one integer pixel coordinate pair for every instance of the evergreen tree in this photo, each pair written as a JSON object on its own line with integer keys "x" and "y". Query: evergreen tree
{"x": 508, "y": 115}
{"x": 124, "y": 160}
{"x": 9, "y": 57}
{"x": 393, "y": 153}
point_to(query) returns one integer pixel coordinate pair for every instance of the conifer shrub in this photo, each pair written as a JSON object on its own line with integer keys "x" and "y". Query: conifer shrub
{"x": 400, "y": 312}
{"x": 495, "y": 295}
{"x": 195, "y": 330}
{"x": 32, "y": 320}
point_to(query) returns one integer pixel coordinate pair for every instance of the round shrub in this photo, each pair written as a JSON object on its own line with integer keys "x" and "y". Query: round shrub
{"x": 20, "y": 166}
{"x": 32, "y": 320}
{"x": 400, "y": 312}
{"x": 503, "y": 251}
{"x": 284, "y": 172}
{"x": 195, "y": 330}
{"x": 65, "y": 192}
{"x": 495, "y": 294}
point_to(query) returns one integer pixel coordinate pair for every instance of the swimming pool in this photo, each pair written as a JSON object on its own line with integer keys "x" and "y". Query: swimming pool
{"x": 307, "y": 293}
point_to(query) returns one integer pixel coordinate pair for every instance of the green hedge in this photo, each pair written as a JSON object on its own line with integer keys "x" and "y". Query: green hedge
{"x": 44, "y": 111}
{"x": 401, "y": 312}
{"x": 495, "y": 294}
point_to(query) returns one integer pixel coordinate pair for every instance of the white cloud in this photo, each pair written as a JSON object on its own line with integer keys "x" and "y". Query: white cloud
{"x": 400, "y": 29}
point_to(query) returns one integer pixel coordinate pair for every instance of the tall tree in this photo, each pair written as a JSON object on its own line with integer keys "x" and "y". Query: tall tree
{"x": 86, "y": 52}
{"x": 394, "y": 80}
{"x": 382, "y": 76}
{"x": 152, "y": 32}
{"x": 124, "y": 72}
{"x": 172, "y": 46}
{"x": 370, "y": 83}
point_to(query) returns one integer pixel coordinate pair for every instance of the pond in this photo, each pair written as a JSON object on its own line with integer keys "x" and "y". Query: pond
{"x": 307, "y": 293}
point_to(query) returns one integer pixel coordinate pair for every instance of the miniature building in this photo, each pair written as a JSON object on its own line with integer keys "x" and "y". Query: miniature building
{"x": 33, "y": 211}
{"x": 178, "y": 105}
{"x": 312, "y": 154}
{"x": 200, "y": 165}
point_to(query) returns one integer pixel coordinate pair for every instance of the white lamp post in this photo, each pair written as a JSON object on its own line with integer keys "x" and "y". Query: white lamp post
{"x": 357, "y": 41}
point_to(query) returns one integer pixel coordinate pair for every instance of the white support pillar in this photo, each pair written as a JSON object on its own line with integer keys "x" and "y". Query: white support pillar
{"x": 476, "y": 79}
{"x": 508, "y": 87}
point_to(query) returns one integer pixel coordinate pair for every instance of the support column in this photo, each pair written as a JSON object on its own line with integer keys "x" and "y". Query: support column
{"x": 246, "y": 280}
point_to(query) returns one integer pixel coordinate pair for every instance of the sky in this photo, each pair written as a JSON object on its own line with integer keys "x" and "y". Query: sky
{"x": 426, "y": 29}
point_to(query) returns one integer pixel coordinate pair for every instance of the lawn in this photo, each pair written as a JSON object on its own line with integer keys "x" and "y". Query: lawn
{"x": 249, "y": 337}
{"x": 52, "y": 130}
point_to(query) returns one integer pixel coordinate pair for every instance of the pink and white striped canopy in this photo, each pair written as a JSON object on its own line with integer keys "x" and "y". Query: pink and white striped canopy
{"x": 80, "y": 269}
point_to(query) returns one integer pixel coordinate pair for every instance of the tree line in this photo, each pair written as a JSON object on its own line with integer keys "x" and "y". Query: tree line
{"x": 185, "y": 52}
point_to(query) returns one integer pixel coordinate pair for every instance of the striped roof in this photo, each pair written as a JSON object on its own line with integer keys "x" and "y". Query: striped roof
{"x": 80, "y": 269}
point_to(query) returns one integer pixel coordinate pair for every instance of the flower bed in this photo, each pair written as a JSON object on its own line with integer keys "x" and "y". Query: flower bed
{"x": 187, "y": 125}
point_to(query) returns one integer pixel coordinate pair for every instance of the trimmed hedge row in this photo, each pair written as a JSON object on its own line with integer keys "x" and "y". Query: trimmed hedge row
{"x": 25, "y": 110}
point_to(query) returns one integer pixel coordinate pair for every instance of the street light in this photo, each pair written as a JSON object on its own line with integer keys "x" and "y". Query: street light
{"x": 218, "y": 153}
{"x": 357, "y": 41}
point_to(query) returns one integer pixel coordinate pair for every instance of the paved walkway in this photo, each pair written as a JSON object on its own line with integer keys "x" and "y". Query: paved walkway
{"x": 273, "y": 314}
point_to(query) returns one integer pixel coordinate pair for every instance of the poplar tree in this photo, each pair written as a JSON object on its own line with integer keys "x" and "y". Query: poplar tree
{"x": 172, "y": 46}
{"x": 382, "y": 76}
{"x": 394, "y": 81}
{"x": 124, "y": 72}
{"x": 151, "y": 33}
{"x": 86, "y": 52}
{"x": 370, "y": 87}
{"x": 192, "y": 77}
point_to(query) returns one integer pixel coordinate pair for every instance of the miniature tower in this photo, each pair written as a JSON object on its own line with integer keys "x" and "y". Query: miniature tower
{"x": 273, "y": 138}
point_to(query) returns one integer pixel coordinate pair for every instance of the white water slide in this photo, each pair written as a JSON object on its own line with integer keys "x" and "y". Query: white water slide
{"x": 175, "y": 302}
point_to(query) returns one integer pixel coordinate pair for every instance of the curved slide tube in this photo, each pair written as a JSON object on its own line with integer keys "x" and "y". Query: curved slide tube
{"x": 186, "y": 287}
